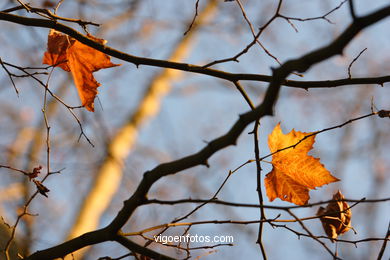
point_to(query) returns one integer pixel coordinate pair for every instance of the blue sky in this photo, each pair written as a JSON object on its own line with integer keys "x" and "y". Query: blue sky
{"x": 200, "y": 108}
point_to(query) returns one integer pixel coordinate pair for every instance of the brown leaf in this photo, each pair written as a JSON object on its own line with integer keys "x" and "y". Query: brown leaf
{"x": 48, "y": 4}
{"x": 336, "y": 217}
{"x": 57, "y": 46}
{"x": 42, "y": 189}
{"x": 294, "y": 172}
{"x": 35, "y": 172}
{"x": 81, "y": 60}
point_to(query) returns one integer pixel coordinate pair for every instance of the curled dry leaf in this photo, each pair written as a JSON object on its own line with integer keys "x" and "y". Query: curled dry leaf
{"x": 336, "y": 217}
{"x": 294, "y": 172}
{"x": 36, "y": 171}
{"x": 79, "y": 59}
{"x": 48, "y": 4}
{"x": 42, "y": 189}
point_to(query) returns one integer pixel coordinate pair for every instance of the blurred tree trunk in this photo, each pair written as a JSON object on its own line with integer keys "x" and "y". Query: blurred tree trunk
{"x": 109, "y": 175}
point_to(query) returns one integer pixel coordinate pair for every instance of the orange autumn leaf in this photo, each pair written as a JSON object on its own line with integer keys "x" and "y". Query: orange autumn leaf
{"x": 336, "y": 217}
{"x": 294, "y": 172}
{"x": 81, "y": 60}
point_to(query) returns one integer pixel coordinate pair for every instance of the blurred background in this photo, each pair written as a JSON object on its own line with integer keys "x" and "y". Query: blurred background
{"x": 156, "y": 115}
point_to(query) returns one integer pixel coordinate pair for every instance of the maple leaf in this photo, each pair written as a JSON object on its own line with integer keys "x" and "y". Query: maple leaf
{"x": 79, "y": 59}
{"x": 294, "y": 172}
{"x": 336, "y": 217}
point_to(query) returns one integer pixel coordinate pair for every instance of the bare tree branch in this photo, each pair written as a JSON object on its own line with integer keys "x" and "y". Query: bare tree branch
{"x": 172, "y": 66}
{"x": 234, "y": 77}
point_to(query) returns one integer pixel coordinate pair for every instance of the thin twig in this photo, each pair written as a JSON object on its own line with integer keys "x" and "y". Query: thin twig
{"x": 299, "y": 234}
{"x": 258, "y": 168}
{"x": 193, "y": 19}
{"x": 259, "y": 189}
{"x": 256, "y": 37}
{"x": 253, "y": 42}
{"x": 197, "y": 207}
{"x": 352, "y": 10}
{"x": 25, "y": 6}
{"x": 312, "y": 235}
{"x": 383, "y": 248}
{"x": 15, "y": 169}
{"x": 319, "y": 132}
{"x": 355, "y": 59}
{"x": 246, "y": 205}
{"x": 70, "y": 108}
{"x": 189, "y": 67}
{"x": 244, "y": 94}
{"x": 10, "y": 77}
{"x": 323, "y": 17}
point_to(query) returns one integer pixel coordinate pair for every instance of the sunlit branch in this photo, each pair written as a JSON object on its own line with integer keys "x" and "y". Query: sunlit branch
{"x": 178, "y": 246}
{"x": 234, "y": 77}
{"x": 48, "y": 14}
{"x": 324, "y": 130}
{"x": 201, "y": 205}
{"x": 140, "y": 249}
{"x": 246, "y": 205}
{"x": 309, "y": 233}
{"x": 300, "y": 234}
{"x": 139, "y": 197}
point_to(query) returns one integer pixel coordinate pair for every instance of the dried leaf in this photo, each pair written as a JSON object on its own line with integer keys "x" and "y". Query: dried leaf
{"x": 336, "y": 217}
{"x": 42, "y": 189}
{"x": 57, "y": 46}
{"x": 384, "y": 113}
{"x": 294, "y": 172}
{"x": 81, "y": 60}
{"x": 35, "y": 172}
{"x": 48, "y": 4}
